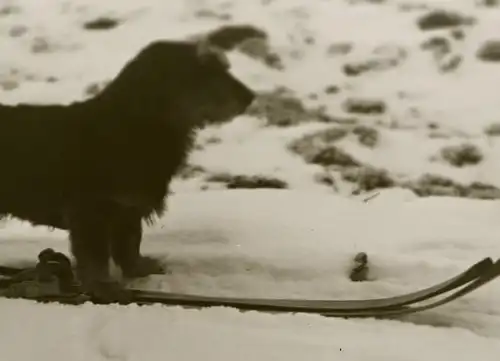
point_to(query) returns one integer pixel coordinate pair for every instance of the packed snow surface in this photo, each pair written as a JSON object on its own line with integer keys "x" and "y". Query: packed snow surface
{"x": 273, "y": 243}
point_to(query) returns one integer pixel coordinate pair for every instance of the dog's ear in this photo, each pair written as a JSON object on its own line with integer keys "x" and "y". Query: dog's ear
{"x": 210, "y": 55}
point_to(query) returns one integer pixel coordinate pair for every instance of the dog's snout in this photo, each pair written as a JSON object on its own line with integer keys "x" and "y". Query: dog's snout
{"x": 244, "y": 94}
{"x": 248, "y": 96}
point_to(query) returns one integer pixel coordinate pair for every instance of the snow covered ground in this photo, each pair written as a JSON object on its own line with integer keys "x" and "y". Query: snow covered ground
{"x": 435, "y": 92}
{"x": 277, "y": 244}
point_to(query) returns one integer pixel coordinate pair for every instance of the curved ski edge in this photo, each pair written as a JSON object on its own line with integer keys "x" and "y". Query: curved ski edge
{"x": 464, "y": 290}
{"x": 315, "y": 306}
{"x": 474, "y": 277}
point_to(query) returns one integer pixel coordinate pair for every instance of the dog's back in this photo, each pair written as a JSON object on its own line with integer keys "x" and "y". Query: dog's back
{"x": 39, "y": 146}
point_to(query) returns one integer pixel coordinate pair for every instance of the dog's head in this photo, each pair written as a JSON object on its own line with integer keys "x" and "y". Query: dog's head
{"x": 218, "y": 95}
{"x": 191, "y": 80}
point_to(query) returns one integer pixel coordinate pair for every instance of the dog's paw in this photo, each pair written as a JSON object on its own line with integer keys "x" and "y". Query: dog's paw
{"x": 108, "y": 292}
{"x": 144, "y": 267}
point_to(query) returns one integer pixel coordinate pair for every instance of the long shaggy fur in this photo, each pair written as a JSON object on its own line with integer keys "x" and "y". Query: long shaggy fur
{"x": 98, "y": 168}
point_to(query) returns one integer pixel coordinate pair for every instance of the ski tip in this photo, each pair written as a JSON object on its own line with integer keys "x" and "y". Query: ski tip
{"x": 487, "y": 261}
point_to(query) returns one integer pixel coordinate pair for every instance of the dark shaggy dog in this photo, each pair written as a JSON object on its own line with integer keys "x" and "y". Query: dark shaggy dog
{"x": 100, "y": 167}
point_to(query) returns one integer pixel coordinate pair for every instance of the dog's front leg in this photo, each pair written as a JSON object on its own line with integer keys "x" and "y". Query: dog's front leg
{"x": 89, "y": 227}
{"x": 126, "y": 236}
